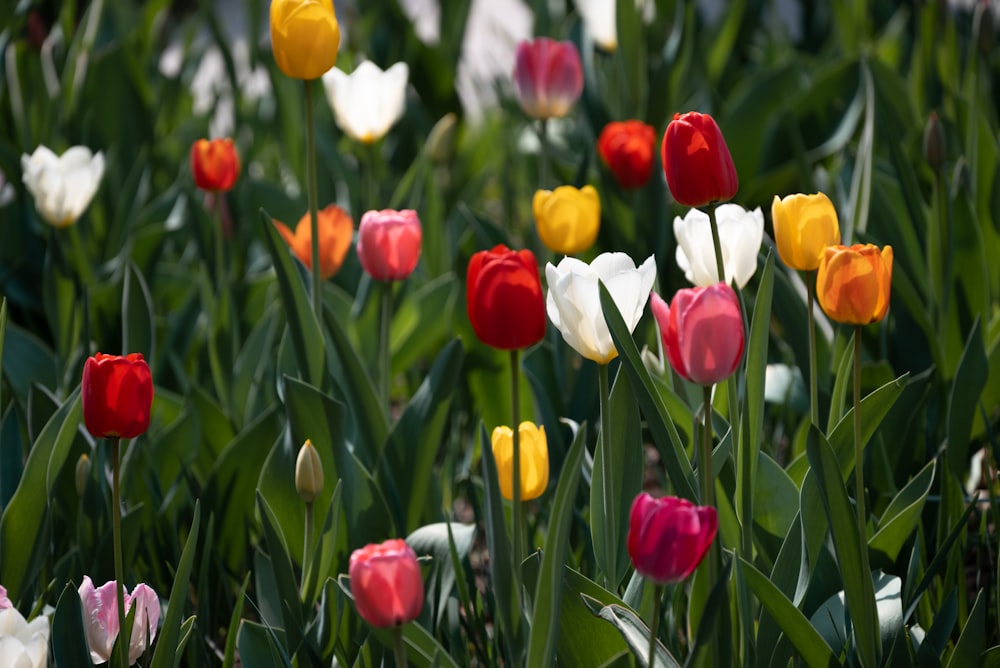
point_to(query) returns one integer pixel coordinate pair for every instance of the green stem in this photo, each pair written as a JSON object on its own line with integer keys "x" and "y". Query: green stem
{"x": 717, "y": 244}
{"x": 399, "y": 647}
{"x": 317, "y": 279}
{"x": 307, "y": 549}
{"x": 859, "y": 474}
{"x": 517, "y": 510}
{"x": 708, "y": 499}
{"x": 543, "y": 154}
{"x": 81, "y": 259}
{"x": 813, "y": 391}
{"x": 607, "y": 478}
{"x": 220, "y": 262}
{"x": 385, "y": 355}
{"x": 371, "y": 187}
{"x": 654, "y": 625}
{"x": 116, "y": 516}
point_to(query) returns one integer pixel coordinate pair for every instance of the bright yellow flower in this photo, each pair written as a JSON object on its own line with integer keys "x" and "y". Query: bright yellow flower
{"x": 534, "y": 460}
{"x": 853, "y": 283}
{"x": 304, "y": 37}
{"x": 568, "y": 219}
{"x": 804, "y": 225}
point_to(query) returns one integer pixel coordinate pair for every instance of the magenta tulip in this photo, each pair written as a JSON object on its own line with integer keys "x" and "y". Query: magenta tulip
{"x": 548, "y": 77}
{"x": 389, "y": 243}
{"x": 100, "y": 618}
{"x": 668, "y": 537}
{"x": 386, "y": 583}
{"x": 702, "y": 331}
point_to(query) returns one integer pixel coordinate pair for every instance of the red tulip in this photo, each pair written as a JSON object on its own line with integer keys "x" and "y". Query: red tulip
{"x": 696, "y": 161}
{"x": 504, "y": 298}
{"x": 702, "y": 331}
{"x": 117, "y": 395}
{"x": 626, "y": 147}
{"x": 548, "y": 77}
{"x": 215, "y": 164}
{"x": 668, "y": 537}
{"x": 389, "y": 243}
{"x": 386, "y": 583}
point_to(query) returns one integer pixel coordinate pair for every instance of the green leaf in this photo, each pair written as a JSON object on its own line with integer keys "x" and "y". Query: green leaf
{"x": 229, "y": 658}
{"x": 852, "y": 553}
{"x": 260, "y": 647}
{"x": 902, "y": 517}
{"x": 167, "y": 641}
{"x": 790, "y": 577}
{"x": 284, "y": 575}
{"x": 432, "y": 539}
{"x": 972, "y": 642}
{"x": 841, "y": 382}
{"x": 422, "y": 649}
{"x": 138, "y": 329}
{"x": 664, "y": 433}
{"x": 963, "y": 401}
{"x": 70, "y": 650}
{"x": 544, "y": 635}
{"x": 633, "y": 630}
{"x": 26, "y": 361}
{"x": 830, "y": 619}
{"x": 776, "y": 502}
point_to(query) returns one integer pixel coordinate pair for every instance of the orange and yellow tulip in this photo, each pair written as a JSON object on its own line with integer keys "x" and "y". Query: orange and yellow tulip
{"x": 853, "y": 283}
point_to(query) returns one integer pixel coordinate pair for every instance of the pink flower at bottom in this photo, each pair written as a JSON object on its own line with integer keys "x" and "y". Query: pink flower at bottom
{"x": 100, "y": 618}
{"x": 668, "y": 537}
{"x": 386, "y": 583}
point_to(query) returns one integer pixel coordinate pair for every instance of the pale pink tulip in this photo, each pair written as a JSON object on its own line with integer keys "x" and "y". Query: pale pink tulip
{"x": 100, "y": 618}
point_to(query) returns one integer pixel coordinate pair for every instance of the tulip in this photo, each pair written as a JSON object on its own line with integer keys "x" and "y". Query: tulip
{"x": 117, "y": 395}
{"x": 696, "y": 161}
{"x": 4, "y": 601}
{"x": 534, "y": 460}
{"x": 100, "y": 618}
{"x": 626, "y": 147}
{"x": 853, "y": 283}
{"x": 308, "y": 473}
{"x": 548, "y": 77}
{"x": 23, "y": 644}
{"x": 574, "y": 303}
{"x": 600, "y": 20}
{"x": 389, "y": 243}
{"x": 386, "y": 583}
{"x": 504, "y": 298}
{"x": 215, "y": 164}
{"x": 567, "y": 218}
{"x": 62, "y": 186}
{"x": 304, "y": 37}
{"x": 804, "y": 225}
{"x": 335, "y": 231}
{"x": 668, "y": 537}
{"x": 740, "y": 234}
{"x": 367, "y": 102}
{"x": 702, "y": 332}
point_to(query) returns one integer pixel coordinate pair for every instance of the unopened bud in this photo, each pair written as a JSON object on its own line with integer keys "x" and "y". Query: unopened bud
{"x": 82, "y": 473}
{"x": 934, "y": 143}
{"x": 441, "y": 140}
{"x": 983, "y": 28}
{"x": 308, "y": 473}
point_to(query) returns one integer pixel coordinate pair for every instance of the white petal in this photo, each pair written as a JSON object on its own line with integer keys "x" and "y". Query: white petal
{"x": 600, "y": 21}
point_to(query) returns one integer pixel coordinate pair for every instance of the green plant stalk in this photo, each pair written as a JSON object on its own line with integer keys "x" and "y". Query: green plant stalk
{"x": 654, "y": 623}
{"x": 385, "y": 354}
{"x": 220, "y": 261}
{"x": 859, "y": 474}
{"x": 607, "y": 480}
{"x": 307, "y": 549}
{"x": 83, "y": 267}
{"x": 708, "y": 499}
{"x": 399, "y": 647}
{"x": 317, "y": 279}
{"x": 813, "y": 391}
{"x": 116, "y": 517}
{"x": 544, "y": 168}
{"x": 517, "y": 510}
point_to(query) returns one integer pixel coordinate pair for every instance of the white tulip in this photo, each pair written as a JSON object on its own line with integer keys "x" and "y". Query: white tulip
{"x": 574, "y": 303}
{"x": 600, "y": 21}
{"x": 367, "y": 102}
{"x": 23, "y": 644}
{"x": 62, "y": 185}
{"x": 740, "y": 233}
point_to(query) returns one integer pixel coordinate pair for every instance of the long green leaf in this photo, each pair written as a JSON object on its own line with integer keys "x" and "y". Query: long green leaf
{"x": 633, "y": 630}
{"x": 168, "y": 639}
{"x": 902, "y": 516}
{"x": 963, "y": 401}
{"x": 71, "y": 650}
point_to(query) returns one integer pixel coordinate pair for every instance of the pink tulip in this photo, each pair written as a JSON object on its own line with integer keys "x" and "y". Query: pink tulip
{"x": 4, "y": 601}
{"x": 668, "y": 537}
{"x": 100, "y": 618}
{"x": 548, "y": 77}
{"x": 389, "y": 243}
{"x": 386, "y": 583}
{"x": 702, "y": 331}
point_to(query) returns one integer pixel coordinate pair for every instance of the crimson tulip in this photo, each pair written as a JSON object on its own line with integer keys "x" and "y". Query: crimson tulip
{"x": 696, "y": 161}
{"x": 215, "y": 164}
{"x": 702, "y": 332}
{"x": 117, "y": 393}
{"x": 626, "y": 147}
{"x": 668, "y": 537}
{"x": 504, "y": 298}
{"x": 389, "y": 243}
{"x": 548, "y": 77}
{"x": 386, "y": 583}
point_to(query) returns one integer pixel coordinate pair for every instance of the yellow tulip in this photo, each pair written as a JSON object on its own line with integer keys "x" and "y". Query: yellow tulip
{"x": 534, "y": 460}
{"x": 804, "y": 225}
{"x": 304, "y": 37}
{"x": 567, "y": 218}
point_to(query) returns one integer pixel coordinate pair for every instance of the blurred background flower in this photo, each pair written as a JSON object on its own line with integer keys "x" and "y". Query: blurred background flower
{"x": 367, "y": 102}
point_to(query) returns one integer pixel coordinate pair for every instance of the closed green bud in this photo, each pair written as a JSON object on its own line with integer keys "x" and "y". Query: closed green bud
{"x": 308, "y": 473}
{"x": 82, "y": 473}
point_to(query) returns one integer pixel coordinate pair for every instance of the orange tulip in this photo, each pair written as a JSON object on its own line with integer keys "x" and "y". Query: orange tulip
{"x": 335, "y": 231}
{"x": 215, "y": 164}
{"x": 853, "y": 283}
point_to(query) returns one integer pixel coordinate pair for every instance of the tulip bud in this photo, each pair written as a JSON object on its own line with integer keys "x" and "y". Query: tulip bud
{"x": 82, "y": 473}
{"x": 548, "y": 77}
{"x": 389, "y": 243}
{"x": 504, "y": 298}
{"x": 305, "y": 37}
{"x": 853, "y": 283}
{"x": 983, "y": 28}
{"x": 308, "y": 473}
{"x": 534, "y": 452}
{"x": 697, "y": 162}
{"x": 627, "y": 148}
{"x": 441, "y": 140}
{"x": 934, "y": 143}
{"x": 386, "y": 583}
{"x": 668, "y": 537}
{"x": 214, "y": 164}
{"x": 804, "y": 225}
{"x": 117, "y": 395}
{"x": 567, "y": 218}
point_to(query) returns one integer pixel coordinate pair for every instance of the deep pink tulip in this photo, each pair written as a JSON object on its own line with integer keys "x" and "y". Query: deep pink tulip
{"x": 668, "y": 537}
{"x": 4, "y": 601}
{"x": 702, "y": 331}
{"x": 389, "y": 243}
{"x": 100, "y": 618}
{"x": 696, "y": 161}
{"x": 386, "y": 583}
{"x": 548, "y": 77}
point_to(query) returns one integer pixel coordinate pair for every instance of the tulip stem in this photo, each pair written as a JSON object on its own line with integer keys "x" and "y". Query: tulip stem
{"x": 385, "y": 354}
{"x": 654, "y": 624}
{"x": 717, "y": 243}
{"x": 859, "y": 475}
{"x": 307, "y": 549}
{"x": 317, "y": 278}
{"x": 813, "y": 392}
{"x": 517, "y": 547}
{"x": 82, "y": 259}
{"x": 708, "y": 499}
{"x": 399, "y": 647}
{"x": 220, "y": 262}
{"x": 543, "y": 153}
{"x": 607, "y": 482}
{"x": 116, "y": 518}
